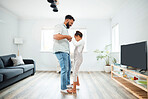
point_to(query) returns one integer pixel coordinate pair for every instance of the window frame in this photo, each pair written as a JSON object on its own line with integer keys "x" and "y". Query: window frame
{"x": 113, "y": 35}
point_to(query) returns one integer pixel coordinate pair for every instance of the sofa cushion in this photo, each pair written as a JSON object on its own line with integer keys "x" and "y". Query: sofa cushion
{"x": 7, "y": 60}
{"x": 1, "y": 77}
{"x": 25, "y": 67}
{"x": 1, "y": 64}
{"x": 9, "y": 73}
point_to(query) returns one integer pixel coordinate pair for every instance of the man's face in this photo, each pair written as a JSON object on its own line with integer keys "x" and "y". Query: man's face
{"x": 69, "y": 23}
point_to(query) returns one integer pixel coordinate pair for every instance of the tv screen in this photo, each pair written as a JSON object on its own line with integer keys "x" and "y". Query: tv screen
{"x": 134, "y": 55}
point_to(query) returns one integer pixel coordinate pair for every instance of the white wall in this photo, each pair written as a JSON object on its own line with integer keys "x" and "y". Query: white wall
{"x": 30, "y": 30}
{"x": 133, "y": 21}
{"x": 8, "y": 30}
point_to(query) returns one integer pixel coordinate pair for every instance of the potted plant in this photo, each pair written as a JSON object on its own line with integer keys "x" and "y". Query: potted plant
{"x": 105, "y": 55}
{"x": 114, "y": 60}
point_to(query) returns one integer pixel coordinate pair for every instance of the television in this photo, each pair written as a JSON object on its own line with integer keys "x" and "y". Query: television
{"x": 135, "y": 55}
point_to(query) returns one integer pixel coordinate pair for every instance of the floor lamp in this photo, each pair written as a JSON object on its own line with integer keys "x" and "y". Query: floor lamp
{"x": 18, "y": 41}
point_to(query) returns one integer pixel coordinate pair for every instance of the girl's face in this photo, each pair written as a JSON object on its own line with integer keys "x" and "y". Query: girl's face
{"x": 78, "y": 38}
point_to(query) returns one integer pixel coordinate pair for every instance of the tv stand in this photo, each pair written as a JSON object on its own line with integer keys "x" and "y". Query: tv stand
{"x": 131, "y": 80}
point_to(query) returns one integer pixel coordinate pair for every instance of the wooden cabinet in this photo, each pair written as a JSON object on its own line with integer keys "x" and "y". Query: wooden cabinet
{"x": 133, "y": 81}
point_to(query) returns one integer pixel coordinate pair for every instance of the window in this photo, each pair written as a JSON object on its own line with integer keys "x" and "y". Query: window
{"x": 47, "y": 39}
{"x": 115, "y": 38}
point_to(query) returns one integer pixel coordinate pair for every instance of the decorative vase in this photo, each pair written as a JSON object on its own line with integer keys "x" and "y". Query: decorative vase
{"x": 107, "y": 69}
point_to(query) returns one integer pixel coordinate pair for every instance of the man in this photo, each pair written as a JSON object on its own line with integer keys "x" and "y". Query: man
{"x": 62, "y": 50}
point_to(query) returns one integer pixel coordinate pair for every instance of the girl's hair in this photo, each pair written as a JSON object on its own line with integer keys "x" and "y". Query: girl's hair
{"x": 79, "y": 33}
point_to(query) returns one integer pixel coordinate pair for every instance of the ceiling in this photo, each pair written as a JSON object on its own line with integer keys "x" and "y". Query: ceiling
{"x": 78, "y": 8}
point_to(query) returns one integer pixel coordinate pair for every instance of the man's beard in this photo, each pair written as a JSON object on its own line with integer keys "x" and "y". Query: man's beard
{"x": 68, "y": 26}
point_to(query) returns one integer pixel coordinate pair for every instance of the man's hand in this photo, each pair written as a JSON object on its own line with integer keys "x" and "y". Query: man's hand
{"x": 69, "y": 38}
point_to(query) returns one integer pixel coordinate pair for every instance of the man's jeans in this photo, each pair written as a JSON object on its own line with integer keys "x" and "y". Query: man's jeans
{"x": 65, "y": 64}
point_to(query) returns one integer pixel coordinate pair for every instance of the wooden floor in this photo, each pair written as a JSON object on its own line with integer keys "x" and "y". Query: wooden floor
{"x": 46, "y": 85}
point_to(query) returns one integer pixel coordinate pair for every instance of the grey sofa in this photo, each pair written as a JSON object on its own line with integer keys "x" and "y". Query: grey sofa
{"x": 10, "y": 74}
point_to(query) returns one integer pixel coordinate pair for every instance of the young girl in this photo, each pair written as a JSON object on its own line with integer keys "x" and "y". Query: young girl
{"x": 78, "y": 58}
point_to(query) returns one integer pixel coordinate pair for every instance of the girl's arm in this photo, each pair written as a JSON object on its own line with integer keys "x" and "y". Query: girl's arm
{"x": 75, "y": 43}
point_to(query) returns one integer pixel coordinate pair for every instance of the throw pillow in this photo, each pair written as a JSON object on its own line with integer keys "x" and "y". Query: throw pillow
{"x": 17, "y": 60}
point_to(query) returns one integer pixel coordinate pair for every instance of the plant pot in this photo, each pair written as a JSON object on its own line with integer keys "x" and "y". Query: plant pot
{"x": 107, "y": 69}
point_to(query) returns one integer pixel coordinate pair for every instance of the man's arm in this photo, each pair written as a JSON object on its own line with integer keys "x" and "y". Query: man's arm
{"x": 60, "y": 37}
